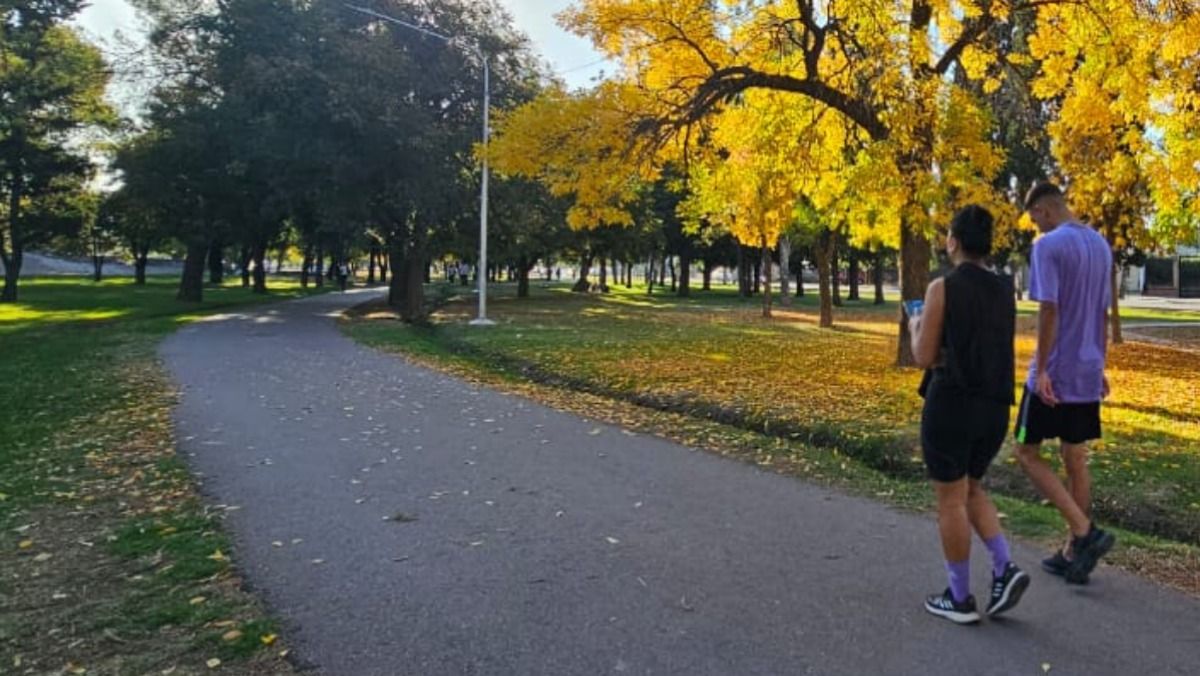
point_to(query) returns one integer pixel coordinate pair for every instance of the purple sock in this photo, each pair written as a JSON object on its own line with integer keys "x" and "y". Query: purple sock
{"x": 960, "y": 579}
{"x": 998, "y": 546}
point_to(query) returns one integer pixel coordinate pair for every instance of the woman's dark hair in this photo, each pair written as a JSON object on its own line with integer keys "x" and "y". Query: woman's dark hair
{"x": 972, "y": 227}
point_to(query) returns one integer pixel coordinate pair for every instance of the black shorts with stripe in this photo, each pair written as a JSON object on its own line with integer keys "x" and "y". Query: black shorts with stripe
{"x": 1069, "y": 423}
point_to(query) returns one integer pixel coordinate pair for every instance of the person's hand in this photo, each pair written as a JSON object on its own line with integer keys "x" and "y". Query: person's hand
{"x": 1106, "y": 390}
{"x": 1045, "y": 389}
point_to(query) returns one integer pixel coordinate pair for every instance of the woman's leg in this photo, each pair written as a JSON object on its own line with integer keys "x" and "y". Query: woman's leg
{"x": 954, "y": 526}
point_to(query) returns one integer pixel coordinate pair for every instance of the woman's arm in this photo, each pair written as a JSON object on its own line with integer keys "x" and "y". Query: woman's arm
{"x": 926, "y": 330}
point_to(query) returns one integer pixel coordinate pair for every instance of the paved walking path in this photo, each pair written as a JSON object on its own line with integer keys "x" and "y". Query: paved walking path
{"x": 431, "y": 527}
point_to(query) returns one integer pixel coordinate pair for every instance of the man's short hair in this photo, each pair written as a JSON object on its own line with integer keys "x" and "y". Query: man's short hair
{"x": 1041, "y": 190}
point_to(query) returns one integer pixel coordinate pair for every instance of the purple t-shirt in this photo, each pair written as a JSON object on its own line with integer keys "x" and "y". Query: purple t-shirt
{"x": 1070, "y": 267}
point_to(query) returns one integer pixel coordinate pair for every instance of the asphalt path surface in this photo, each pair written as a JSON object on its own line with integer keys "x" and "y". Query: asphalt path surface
{"x": 401, "y": 521}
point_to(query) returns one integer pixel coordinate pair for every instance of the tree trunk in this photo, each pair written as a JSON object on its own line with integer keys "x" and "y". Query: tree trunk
{"x": 1114, "y": 317}
{"x": 12, "y": 273}
{"x": 97, "y": 265}
{"x": 585, "y": 269}
{"x": 413, "y": 309}
{"x": 191, "y": 283}
{"x": 914, "y": 277}
{"x": 706, "y": 272}
{"x": 740, "y": 264}
{"x": 877, "y": 273}
{"x": 244, "y": 260}
{"x": 785, "y": 260}
{"x": 306, "y": 266}
{"x": 650, "y": 276}
{"x": 140, "y": 258}
{"x": 835, "y": 265}
{"x": 398, "y": 287}
{"x": 523, "y": 269}
{"x": 853, "y": 275}
{"x": 383, "y": 268}
{"x": 371, "y": 265}
{"x": 685, "y": 274}
{"x": 674, "y": 280}
{"x": 216, "y": 264}
{"x": 824, "y": 253}
{"x": 260, "y": 268}
{"x": 800, "y": 280}
{"x": 757, "y": 271}
{"x": 766, "y": 265}
{"x": 428, "y": 272}
{"x": 319, "y": 270}
{"x": 603, "y": 275}
{"x": 14, "y": 260}
{"x": 662, "y": 270}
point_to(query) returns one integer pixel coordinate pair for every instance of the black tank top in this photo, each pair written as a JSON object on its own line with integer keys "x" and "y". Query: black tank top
{"x": 977, "y": 335}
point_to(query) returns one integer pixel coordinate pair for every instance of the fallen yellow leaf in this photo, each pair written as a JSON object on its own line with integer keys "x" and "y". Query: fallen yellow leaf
{"x": 268, "y": 639}
{"x": 218, "y": 556}
{"x": 197, "y": 600}
{"x": 24, "y": 544}
{"x": 231, "y": 635}
{"x": 73, "y": 668}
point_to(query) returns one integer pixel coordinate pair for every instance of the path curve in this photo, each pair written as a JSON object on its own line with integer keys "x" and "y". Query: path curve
{"x": 531, "y": 541}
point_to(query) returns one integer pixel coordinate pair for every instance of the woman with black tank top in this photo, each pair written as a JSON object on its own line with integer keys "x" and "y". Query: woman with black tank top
{"x": 964, "y": 340}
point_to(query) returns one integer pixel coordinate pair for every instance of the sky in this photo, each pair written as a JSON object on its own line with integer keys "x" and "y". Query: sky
{"x": 570, "y": 56}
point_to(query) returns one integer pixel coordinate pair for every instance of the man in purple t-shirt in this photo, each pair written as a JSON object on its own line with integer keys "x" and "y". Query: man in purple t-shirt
{"x": 1069, "y": 277}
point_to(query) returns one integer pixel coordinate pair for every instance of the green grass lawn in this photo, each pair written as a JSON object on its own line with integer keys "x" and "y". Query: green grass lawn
{"x": 87, "y": 456}
{"x": 712, "y": 357}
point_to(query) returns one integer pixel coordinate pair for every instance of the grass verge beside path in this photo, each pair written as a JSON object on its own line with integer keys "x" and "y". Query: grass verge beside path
{"x": 824, "y": 404}
{"x": 111, "y": 564}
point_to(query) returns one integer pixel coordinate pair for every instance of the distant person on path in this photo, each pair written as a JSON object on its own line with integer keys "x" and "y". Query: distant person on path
{"x": 1069, "y": 277}
{"x": 343, "y": 274}
{"x": 963, "y": 336}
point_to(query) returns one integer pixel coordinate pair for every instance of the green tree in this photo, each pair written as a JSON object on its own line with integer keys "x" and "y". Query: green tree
{"x": 53, "y": 86}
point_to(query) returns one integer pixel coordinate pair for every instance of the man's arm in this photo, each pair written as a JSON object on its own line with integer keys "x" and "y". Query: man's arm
{"x": 1047, "y": 330}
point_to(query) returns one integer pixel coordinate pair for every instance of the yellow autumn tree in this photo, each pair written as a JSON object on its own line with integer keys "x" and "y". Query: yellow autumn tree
{"x": 1174, "y": 172}
{"x": 1101, "y": 69}
{"x": 884, "y": 67}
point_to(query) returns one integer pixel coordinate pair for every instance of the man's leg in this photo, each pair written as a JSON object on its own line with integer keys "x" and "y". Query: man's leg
{"x": 1079, "y": 476}
{"x": 1079, "y": 481}
{"x": 1051, "y": 488}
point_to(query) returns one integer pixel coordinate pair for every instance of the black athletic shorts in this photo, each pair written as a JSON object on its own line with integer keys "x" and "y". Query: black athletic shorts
{"x": 960, "y": 433}
{"x": 1070, "y": 423}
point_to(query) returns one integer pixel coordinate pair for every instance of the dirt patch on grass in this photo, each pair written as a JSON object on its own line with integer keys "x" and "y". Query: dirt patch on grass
{"x": 112, "y": 565}
{"x": 70, "y": 606}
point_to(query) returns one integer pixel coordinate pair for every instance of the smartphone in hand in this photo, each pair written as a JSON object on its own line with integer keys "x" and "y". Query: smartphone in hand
{"x": 913, "y": 308}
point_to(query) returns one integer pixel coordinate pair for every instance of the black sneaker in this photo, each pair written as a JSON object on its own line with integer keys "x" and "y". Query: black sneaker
{"x": 1088, "y": 550}
{"x": 1007, "y": 589}
{"x": 1057, "y": 564}
{"x": 945, "y": 606}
